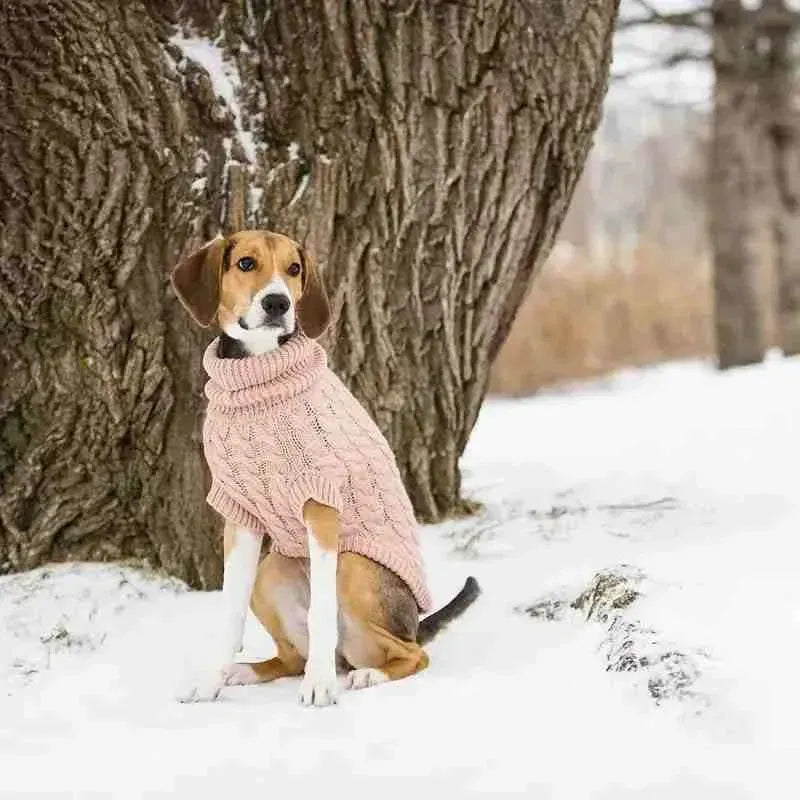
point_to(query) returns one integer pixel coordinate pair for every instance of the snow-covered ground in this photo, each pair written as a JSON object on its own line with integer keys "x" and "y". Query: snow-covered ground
{"x": 689, "y": 689}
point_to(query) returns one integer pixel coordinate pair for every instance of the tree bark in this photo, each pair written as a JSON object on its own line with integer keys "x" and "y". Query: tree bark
{"x": 778, "y": 87}
{"x": 100, "y": 385}
{"x": 735, "y": 188}
{"x": 425, "y": 151}
{"x": 441, "y": 142}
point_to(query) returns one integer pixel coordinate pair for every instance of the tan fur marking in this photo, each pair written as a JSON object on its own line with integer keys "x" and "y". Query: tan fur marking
{"x": 323, "y": 523}
{"x": 369, "y": 591}
{"x": 401, "y": 659}
{"x": 278, "y": 667}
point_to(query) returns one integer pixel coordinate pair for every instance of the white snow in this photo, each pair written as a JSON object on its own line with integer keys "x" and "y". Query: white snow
{"x": 255, "y": 195}
{"x": 301, "y": 189}
{"x": 225, "y": 81}
{"x": 688, "y": 476}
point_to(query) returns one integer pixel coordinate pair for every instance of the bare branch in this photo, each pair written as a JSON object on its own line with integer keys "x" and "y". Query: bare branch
{"x": 770, "y": 16}
{"x": 694, "y": 18}
{"x": 667, "y": 62}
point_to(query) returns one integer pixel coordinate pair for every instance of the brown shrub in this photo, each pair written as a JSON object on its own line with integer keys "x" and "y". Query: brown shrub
{"x": 580, "y": 320}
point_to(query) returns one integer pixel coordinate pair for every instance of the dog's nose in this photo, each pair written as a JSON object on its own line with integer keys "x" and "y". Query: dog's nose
{"x": 275, "y": 305}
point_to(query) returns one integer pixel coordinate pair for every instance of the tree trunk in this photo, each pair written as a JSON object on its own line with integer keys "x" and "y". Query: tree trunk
{"x": 442, "y": 143}
{"x": 100, "y": 381}
{"x": 426, "y": 151}
{"x": 778, "y": 89}
{"x": 736, "y": 161}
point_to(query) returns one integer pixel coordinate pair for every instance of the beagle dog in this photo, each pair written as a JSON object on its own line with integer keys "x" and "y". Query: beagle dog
{"x": 332, "y": 608}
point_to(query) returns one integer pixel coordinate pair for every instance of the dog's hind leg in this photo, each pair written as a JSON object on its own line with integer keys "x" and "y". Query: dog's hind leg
{"x": 379, "y": 623}
{"x": 386, "y": 658}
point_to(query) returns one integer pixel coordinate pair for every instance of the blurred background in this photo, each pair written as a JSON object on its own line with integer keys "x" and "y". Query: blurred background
{"x": 693, "y": 175}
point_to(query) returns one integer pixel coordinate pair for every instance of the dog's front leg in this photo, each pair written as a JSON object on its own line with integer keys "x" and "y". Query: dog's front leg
{"x": 319, "y": 685}
{"x": 242, "y": 550}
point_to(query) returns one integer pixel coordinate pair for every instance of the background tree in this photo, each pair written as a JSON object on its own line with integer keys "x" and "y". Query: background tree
{"x": 779, "y": 88}
{"x": 426, "y": 152}
{"x": 736, "y": 173}
{"x": 754, "y": 162}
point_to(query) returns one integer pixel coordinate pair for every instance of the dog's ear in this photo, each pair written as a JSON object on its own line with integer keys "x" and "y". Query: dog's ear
{"x": 197, "y": 281}
{"x": 313, "y": 309}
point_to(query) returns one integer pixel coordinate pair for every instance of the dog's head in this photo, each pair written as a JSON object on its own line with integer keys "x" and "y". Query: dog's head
{"x": 258, "y": 285}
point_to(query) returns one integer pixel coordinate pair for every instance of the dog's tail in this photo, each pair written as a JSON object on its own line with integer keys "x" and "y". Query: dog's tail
{"x": 434, "y": 623}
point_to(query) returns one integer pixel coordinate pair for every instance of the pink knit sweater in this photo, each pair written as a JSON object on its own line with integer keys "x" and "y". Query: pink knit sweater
{"x": 280, "y": 429}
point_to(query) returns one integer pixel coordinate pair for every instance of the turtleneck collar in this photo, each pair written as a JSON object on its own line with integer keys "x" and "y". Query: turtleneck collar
{"x": 241, "y": 384}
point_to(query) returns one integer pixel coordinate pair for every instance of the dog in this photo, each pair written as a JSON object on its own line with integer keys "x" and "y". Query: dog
{"x": 294, "y": 457}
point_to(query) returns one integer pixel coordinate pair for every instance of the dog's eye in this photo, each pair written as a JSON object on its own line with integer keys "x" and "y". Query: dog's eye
{"x": 246, "y": 264}
{"x": 293, "y": 269}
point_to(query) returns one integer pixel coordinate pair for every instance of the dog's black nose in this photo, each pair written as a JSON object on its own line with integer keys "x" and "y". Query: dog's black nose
{"x": 276, "y": 305}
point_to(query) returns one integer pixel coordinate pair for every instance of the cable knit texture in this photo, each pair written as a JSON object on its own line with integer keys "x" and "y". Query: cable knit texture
{"x": 281, "y": 429}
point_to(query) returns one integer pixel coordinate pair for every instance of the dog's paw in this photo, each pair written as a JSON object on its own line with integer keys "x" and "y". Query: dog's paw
{"x": 319, "y": 687}
{"x": 239, "y": 675}
{"x": 364, "y": 678}
{"x": 203, "y": 691}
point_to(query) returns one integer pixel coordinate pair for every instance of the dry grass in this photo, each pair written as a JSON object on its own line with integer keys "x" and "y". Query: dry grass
{"x": 580, "y": 320}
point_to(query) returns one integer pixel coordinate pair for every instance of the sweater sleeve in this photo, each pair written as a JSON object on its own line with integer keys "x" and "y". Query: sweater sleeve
{"x": 222, "y": 502}
{"x": 311, "y": 486}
